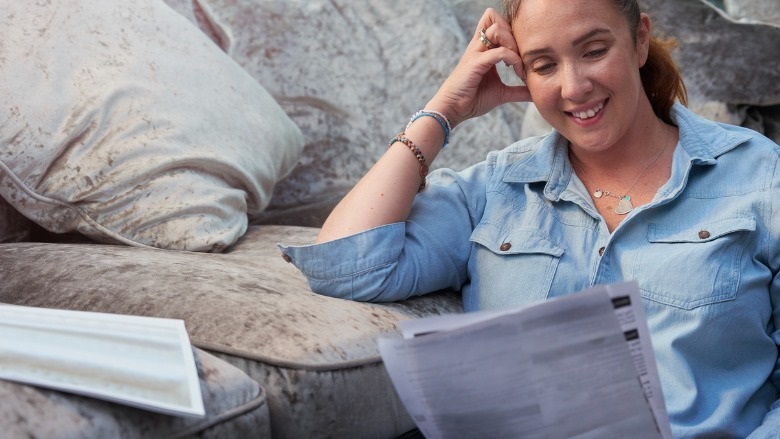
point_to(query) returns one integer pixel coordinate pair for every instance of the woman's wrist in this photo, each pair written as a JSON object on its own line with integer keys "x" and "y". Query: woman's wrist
{"x": 401, "y": 138}
{"x": 439, "y": 117}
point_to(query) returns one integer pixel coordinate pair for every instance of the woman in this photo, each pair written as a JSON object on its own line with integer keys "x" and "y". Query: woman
{"x": 628, "y": 186}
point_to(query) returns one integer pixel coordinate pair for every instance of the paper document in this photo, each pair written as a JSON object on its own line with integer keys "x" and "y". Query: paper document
{"x": 139, "y": 361}
{"x": 577, "y": 366}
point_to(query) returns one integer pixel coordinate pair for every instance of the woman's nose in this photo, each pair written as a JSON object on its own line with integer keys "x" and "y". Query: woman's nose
{"x": 575, "y": 83}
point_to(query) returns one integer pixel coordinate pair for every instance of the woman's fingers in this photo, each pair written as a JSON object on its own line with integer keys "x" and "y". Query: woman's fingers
{"x": 474, "y": 87}
{"x": 493, "y": 31}
{"x": 483, "y": 38}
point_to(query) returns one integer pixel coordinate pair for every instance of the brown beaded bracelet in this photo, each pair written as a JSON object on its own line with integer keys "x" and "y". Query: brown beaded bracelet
{"x": 417, "y": 153}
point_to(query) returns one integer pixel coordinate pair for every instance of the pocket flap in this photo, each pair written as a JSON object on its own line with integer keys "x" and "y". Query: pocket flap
{"x": 508, "y": 241}
{"x": 702, "y": 232}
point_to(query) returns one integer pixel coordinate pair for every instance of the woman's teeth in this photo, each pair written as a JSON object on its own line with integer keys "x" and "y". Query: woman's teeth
{"x": 589, "y": 113}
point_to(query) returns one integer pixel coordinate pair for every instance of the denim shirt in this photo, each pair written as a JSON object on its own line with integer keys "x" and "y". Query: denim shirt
{"x": 520, "y": 227}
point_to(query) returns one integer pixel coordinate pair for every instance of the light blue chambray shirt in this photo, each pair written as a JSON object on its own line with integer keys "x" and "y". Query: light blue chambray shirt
{"x": 520, "y": 227}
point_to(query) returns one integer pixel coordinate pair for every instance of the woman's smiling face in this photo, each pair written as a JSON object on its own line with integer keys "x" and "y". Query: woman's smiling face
{"x": 581, "y": 66}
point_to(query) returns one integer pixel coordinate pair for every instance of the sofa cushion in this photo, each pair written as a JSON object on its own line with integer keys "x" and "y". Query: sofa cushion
{"x": 235, "y": 407}
{"x": 316, "y": 356}
{"x": 123, "y": 121}
{"x": 14, "y": 227}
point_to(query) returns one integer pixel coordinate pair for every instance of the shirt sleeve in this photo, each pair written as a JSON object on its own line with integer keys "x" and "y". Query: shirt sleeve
{"x": 770, "y": 426}
{"x": 428, "y": 252}
{"x": 771, "y": 423}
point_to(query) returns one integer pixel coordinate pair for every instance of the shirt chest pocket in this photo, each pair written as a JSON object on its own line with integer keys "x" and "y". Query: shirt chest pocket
{"x": 511, "y": 266}
{"x": 693, "y": 265}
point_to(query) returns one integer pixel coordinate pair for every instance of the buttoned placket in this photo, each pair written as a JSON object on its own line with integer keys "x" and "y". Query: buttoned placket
{"x": 599, "y": 236}
{"x": 578, "y": 194}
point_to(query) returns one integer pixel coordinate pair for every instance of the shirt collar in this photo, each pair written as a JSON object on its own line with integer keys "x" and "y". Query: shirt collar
{"x": 545, "y": 158}
{"x": 703, "y": 139}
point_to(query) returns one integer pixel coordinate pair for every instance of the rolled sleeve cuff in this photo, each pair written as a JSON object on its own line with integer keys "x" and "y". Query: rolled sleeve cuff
{"x": 351, "y": 267}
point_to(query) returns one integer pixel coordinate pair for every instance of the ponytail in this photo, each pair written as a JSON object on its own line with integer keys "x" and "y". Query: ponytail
{"x": 662, "y": 79}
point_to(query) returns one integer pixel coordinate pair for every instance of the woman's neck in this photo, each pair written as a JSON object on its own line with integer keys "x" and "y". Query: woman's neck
{"x": 640, "y": 145}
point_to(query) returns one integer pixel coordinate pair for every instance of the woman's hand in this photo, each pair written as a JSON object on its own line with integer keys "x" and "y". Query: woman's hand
{"x": 474, "y": 87}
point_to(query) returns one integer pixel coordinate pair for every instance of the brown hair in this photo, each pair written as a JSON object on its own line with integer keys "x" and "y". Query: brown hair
{"x": 660, "y": 75}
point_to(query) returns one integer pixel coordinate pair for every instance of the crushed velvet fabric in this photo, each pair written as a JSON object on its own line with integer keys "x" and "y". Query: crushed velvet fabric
{"x": 316, "y": 356}
{"x": 123, "y": 121}
{"x": 14, "y": 227}
{"x": 235, "y": 407}
{"x": 351, "y": 74}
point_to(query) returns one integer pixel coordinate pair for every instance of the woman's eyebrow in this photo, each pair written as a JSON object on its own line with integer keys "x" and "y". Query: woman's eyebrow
{"x": 588, "y": 35}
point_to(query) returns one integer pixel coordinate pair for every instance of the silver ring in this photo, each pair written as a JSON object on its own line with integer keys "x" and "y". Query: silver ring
{"x": 485, "y": 41}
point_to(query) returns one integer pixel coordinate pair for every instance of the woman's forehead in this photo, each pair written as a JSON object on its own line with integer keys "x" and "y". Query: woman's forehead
{"x": 540, "y": 21}
{"x": 541, "y": 9}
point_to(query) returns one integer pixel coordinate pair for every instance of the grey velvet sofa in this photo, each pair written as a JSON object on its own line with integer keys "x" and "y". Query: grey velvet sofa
{"x": 154, "y": 136}
{"x": 276, "y": 360}
{"x": 288, "y": 103}
{"x": 151, "y": 136}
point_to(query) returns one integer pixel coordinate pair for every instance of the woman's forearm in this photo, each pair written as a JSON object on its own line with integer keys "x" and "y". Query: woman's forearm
{"x": 385, "y": 194}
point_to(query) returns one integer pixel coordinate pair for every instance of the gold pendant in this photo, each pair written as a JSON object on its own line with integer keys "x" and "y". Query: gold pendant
{"x": 624, "y": 206}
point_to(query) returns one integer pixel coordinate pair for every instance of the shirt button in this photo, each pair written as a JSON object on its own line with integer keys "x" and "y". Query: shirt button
{"x": 286, "y": 258}
{"x": 704, "y": 234}
{"x": 601, "y": 251}
{"x": 506, "y": 246}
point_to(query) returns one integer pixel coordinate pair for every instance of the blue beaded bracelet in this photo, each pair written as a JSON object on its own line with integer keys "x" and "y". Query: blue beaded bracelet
{"x": 440, "y": 118}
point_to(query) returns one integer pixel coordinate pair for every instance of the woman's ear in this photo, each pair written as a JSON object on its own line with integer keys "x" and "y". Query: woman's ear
{"x": 643, "y": 39}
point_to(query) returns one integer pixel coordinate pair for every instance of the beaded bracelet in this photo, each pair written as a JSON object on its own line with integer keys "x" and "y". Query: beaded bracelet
{"x": 417, "y": 153}
{"x": 440, "y": 118}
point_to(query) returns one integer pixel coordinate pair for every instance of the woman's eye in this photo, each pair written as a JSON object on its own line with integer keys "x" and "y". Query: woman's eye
{"x": 543, "y": 68}
{"x": 596, "y": 53}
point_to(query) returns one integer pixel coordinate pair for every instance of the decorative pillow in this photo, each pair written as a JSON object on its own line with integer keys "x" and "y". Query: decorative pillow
{"x": 121, "y": 120}
{"x": 193, "y": 11}
{"x": 14, "y": 227}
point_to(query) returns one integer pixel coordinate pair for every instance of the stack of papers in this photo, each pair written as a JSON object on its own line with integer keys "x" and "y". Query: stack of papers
{"x": 577, "y": 366}
{"x": 139, "y": 361}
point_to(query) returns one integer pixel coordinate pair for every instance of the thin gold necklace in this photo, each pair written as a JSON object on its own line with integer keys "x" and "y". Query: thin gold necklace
{"x": 624, "y": 205}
